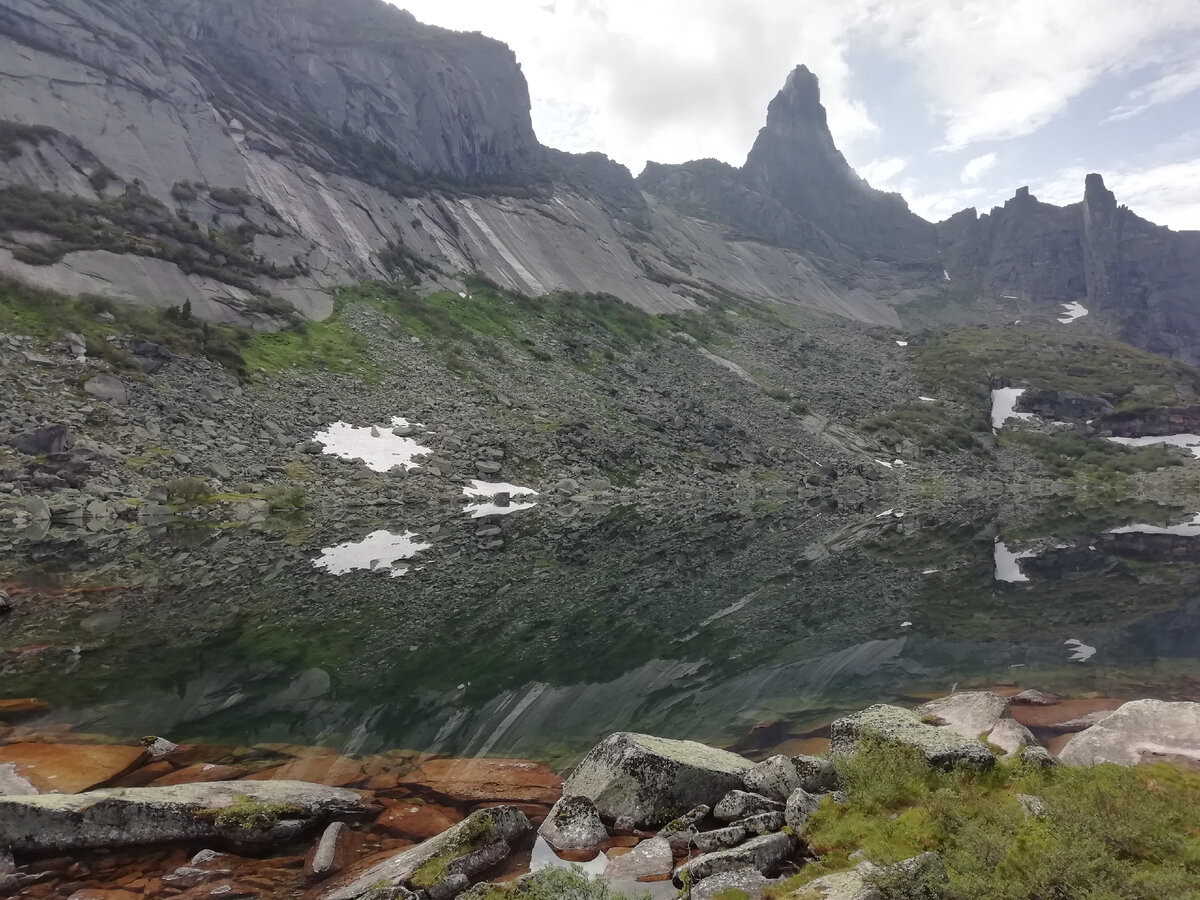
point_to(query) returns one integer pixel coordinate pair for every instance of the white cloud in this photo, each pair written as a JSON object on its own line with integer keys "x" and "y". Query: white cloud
{"x": 935, "y": 206}
{"x": 878, "y": 172}
{"x": 977, "y": 167}
{"x": 1175, "y": 85}
{"x": 996, "y": 71}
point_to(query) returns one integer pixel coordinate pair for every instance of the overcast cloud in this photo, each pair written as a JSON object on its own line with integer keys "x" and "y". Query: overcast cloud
{"x": 952, "y": 104}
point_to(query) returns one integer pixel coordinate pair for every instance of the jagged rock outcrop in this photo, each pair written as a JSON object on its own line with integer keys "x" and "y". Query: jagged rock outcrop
{"x": 1140, "y": 280}
{"x": 797, "y": 190}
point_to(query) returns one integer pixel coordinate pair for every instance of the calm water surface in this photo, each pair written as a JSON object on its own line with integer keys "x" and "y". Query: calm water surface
{"x": 533, "y": 635}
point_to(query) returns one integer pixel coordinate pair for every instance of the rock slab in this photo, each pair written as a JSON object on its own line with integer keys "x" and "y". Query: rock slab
{"x": 1138, "y": 732}
{"x": 892, "y": 724}
{"x": 650, "y": 780}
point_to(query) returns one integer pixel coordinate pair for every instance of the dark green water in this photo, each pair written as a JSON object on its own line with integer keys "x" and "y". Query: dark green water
{"x": 697, "y": 623}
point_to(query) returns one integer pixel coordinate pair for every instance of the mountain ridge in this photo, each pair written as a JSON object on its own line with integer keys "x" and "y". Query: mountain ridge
{"x": 332, "y": 144}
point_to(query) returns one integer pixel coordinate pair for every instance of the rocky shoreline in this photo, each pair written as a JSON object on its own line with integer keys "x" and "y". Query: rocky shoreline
{"x": 89, "y": 820}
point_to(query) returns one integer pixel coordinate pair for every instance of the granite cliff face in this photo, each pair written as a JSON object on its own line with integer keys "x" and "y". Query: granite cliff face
{"x": 1137, "y": 279}
{"x": 236, "y": 153}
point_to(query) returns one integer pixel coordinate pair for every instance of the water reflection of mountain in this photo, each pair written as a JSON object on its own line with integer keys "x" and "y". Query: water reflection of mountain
{"x": 536, "y": 635}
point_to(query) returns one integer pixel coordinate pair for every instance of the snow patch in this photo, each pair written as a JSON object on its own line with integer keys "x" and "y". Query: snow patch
{"x": 1081, "y": 652}
{"x": 1072, "y": 311}
{"x": 1183, "y": 529}
{"x": 1008, "y": 564}
{"x": 901, "y": 343}
{"x": 1189, "y": 441}
{"x": 378, "y": 448}
{"x": 1004, "y": 406}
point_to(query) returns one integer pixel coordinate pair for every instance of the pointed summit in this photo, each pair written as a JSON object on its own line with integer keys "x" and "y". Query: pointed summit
{"x": 797, "y": 133}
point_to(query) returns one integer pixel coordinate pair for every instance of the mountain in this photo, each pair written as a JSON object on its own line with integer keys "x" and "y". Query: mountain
{"x": 248, "y": 156}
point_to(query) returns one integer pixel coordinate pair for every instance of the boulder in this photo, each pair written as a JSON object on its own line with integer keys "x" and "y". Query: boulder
{"x": 470, "y": 847}
{"x": 778, "y": 776}
{"x": 43, "y": 441}
{"x": 652, "y": 780}
{"x": 650, "y": 858}
{"x": 729, "y": 836}
{"x": 921, "y": 876}
{"x": 70, "y": 768}
{"x": 892, "y": 724}
{"x": 980, "y": 714}
{"x": 1011, "y": 736}
{"x": 332, "y": 853}
{"x": 573, "y": 824}
{"x": 682, "y": 831}
{"x": 740, "y": 804}
{"x": 1139, "y": 731}
{"x": 742, "y": 883}
{"x": 763, "y": 823}
{"x": 108, "y": 388}
{"x": 765, "y": 855}
{"x": 800, "y": 807}
{"x": 250, "y": 812}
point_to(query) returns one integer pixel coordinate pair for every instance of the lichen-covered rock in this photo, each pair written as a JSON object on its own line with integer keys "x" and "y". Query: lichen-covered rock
{"x": 1011, "y": 737}
{"x": 573, "y": 824}
{"x": 253, "y": 812}
{"x": 740, "y": 804}
{"x": 652, "y": 780}
{"x": 1138, "y": 731}
{"x": 681, "y": 832}
{"x": 892, "y": 724}
{"x": 765, "y": 855}
{"x": 1038, "y": 756}
{"x": 921, "y": 876}
{"x": 747, "y": 883}
{"x": 800, "y": 807}
{"x": 982, "y": 714}
{"x": 471, "y": 846}
{"x": 763, "y": 823}
{"x": 778, "y": 776}
{"x": 729, "y": 836}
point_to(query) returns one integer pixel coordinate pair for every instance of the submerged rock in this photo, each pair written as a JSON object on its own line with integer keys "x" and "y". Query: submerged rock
{"x": 651, "y": 780}
{"x": 940, "y": 746}
{"x": 573, "y": 824}
{"x": 252, "y": 812}
{"x": 649, "y": 858}
{"x": 1139, "y": 731}
{"x": 473, "y": 845}
{"x": 70, "y": 768}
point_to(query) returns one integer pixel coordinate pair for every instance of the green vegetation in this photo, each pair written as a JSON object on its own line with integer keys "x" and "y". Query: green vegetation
{"x": 47, "y": 316}
{"x": 247, "y": 814}
{"x": 556, "y": 883}
{"x": 938, "y": 426}
{"x": 470, "y": 837}
{"x": 963, "y": 363}
{"x": 14, "y": 134}
{"x": 280, "y": 496}
{"x": 1108, "y": 832}
{"x": 133, "y": 223}
{"x": 1072, "y": 455}
{"x": 189, "y": 489}
{"x": 330, "y": 344}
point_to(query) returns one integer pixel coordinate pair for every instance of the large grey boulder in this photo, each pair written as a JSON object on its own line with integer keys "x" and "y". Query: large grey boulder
{"x": 747, "y": 883}
{"x": 108, "y": 388}
{"x": 1138, "y": 731}
{"x": 43, "y": 441}
{"x": 765, "y": 855}
{"x": 573, "y": 824}
{"x": 244, "y": 811}
{"x": 650, "y": 780}
{"x": 436, "y": 865}
{"x": 778, "y": 776}
{"x": 892, "y": 724}
{"x": 980, "y": 714}
{"x": 921, "y": 876}
{"x": 800, "y": 807}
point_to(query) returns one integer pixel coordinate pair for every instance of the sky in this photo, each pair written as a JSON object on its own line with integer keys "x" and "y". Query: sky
{"x": 953, "y": 103}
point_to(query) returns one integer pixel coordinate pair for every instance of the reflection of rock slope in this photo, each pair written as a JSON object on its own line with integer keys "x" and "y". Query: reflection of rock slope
{"x": 627, "y": 622}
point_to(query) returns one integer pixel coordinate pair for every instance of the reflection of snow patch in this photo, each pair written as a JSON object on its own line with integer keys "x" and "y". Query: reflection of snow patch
{"x": 905, "y": 624}
{"x": 884, "y": 463}
{"x": 1184, "y": 529}
{"x": 1009, "y": 297}
{"x": 1008, "y": 564}
{"x": 901, "y": 343}
{"x": 1189, "y": 441}
{"x": 1072, "y": 311}
{"x": 492, "y": 488}
{"x": 1082, "y": 652}
{"x": 1004, "y": 406}
{"x": 479, "y": 510}
{"x": 945, "y": 274}
{"x": 379, "y": 551}
{"x": 379, "y": 450}
{"x": 928, "y": 399}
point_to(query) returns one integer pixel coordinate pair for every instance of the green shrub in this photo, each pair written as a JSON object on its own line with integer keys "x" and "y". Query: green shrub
{"x": 554, "y": 883}
{"x": 280, "y": 496}
{"x": 188, "y": 489}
